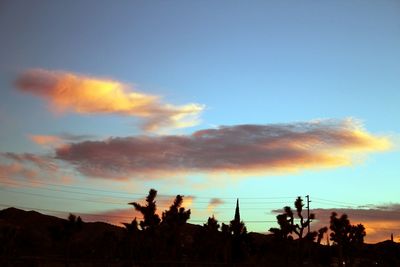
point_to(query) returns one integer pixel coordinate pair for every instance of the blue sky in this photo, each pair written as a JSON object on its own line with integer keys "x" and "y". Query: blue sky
{"x": 261, "y": 63}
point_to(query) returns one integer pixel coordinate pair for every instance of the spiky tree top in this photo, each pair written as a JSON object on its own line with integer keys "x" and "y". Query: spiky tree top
{"x": 150, "y": 218}
{"x": 176, "y": 215}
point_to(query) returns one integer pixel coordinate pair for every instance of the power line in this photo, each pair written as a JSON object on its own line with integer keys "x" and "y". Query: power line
{"x": 135, "y": 193}
{"x": 112, "y": 216}
{"x": 334, "y": 201}
{"x": 335, "y": 204}
{"x": 118, "y": 203}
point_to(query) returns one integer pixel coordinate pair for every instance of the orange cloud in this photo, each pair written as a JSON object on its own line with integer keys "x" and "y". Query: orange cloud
{"x": 88, "y": 95}
{"x": 46, "y": 140}
{"x": 240, "y": 149}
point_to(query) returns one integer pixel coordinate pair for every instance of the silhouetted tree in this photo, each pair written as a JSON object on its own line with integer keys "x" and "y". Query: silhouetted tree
{"x": 225, "y": 229}
{"x": 345, "y": 236}
{"x": 172, "y": 221}
{"x": 303, "y": 223}
{"x": 149, "y": 226}
{"x": 150, "y": 218}
{"x": 131, "y": 238}
{"x": 73, "y": 225}
{"x": 132, "y": 227}
{"x": 321, "y": 233}
{"x": 210, "y": 242}
{"x": 286, "y": 224}
{"x": 357, "y": 234}
{"x": 176, "y": 215}
{"x": 212, "y": 225}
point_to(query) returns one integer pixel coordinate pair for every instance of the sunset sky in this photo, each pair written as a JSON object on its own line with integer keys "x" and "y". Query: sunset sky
{"x": 216, "y": 100}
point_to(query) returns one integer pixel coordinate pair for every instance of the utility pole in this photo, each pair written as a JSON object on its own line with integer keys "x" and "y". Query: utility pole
{"x": 308, "y": 212}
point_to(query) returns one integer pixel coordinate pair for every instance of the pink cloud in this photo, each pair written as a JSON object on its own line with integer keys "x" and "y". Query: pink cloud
{"x": 26, "y": 169}
{"x": 8, "y": 172}
{"x": 242, "y": 149}
{"x": 42, "y": 162}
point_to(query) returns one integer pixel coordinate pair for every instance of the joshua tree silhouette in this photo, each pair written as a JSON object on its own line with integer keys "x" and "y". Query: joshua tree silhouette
{"x": 150, "y": 219}
{"x": 176, "y": 215}
{"x": 347, "y": 237}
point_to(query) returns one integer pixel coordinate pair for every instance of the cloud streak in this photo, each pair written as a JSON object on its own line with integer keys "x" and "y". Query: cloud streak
{"x": 27, "y": 169}
{"x": 70, "y": 92}
{"x": 241, "y": 149}
{"x": 42, "y": 162}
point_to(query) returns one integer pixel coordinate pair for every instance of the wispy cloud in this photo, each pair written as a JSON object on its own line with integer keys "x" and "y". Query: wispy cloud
{"x": 242, "y": 149}
{"x": 11, "y": 171}
{"x": 19, "y": 170}
{"x": 42, "y": 162}
{"x": 90, "y": 95}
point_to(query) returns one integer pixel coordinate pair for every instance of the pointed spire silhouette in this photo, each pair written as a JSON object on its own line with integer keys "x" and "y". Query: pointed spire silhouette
{"x": 237, "y": 212}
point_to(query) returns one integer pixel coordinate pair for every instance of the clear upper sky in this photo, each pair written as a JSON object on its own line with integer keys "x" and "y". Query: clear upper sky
{"x": 286, "y": 67}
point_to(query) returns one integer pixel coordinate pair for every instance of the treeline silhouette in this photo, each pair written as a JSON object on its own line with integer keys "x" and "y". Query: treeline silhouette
{"x": 33, "y": 239}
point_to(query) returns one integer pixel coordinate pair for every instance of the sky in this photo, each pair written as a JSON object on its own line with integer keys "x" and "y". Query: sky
{"x": 216, "y": 100}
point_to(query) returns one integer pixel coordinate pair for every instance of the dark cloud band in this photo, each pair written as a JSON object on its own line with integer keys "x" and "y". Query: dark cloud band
{"x": 241, "y": 148}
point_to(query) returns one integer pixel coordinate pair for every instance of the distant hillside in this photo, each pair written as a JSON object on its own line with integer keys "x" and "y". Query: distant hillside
{"x": 30, "y": 233}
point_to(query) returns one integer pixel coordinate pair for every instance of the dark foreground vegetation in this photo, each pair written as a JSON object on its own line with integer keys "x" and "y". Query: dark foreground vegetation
{"x": 28, "y": 238}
